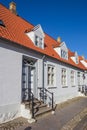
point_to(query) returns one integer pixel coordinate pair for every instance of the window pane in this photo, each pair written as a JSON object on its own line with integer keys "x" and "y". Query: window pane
{"x": 63, "y": 77}
{"x": 50, "y": 75}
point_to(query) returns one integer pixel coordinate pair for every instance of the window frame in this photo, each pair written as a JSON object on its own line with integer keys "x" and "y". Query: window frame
{"x": 64, "y": 77}
{"x": 38, "y": 41}
{"x": 63, "y": 54}
{"x": 51, "y": 78}
{"x": 72, "y": 77}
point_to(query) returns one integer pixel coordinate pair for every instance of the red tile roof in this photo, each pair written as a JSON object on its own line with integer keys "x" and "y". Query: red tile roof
{"x": 71, "y": 53}
{"x": 15, "y": 28}
{"x": 81, "y": 58}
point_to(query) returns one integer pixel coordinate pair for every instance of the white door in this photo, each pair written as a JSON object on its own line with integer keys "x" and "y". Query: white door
{"x": 28, "y": 82}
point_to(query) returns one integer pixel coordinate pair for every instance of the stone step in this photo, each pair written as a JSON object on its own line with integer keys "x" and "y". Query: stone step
{"x": 40, "y": 109}
{"x": 36, "y": 104}
{"x": 43, "y": 112}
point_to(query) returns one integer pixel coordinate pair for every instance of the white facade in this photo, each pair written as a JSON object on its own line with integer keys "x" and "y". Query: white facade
{"x": 11, "y": 65}
{"x": 11, "y": 58}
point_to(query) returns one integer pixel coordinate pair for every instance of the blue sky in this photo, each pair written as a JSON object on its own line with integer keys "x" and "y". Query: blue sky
{"x": 64, "y": 18}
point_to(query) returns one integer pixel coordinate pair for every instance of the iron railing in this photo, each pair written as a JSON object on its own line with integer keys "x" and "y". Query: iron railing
{"x": 32, "y": 103}
{"x": 82, "y": 89}
{"x": 29, "y": 99}
{"x": 44, "y": 94}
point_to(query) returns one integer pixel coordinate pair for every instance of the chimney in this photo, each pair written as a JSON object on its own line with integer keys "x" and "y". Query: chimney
{"x": 83, "y": 57}
{"x": 12, "y": 8}
{"x": 59, "y": 39}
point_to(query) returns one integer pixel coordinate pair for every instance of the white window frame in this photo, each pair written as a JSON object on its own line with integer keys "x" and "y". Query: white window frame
{"x": 63, "y": 54}
{"x": 64, "y": 77}
{"x": 79, "y": 77}
{"x": 51, "y": 75}
{"x": 39, "y": 41}
{"x": 36, "y": 40}
{"x": 72, "y": 75}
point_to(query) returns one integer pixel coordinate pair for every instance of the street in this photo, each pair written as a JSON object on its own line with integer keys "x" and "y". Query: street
{"x": 70, "y": 115}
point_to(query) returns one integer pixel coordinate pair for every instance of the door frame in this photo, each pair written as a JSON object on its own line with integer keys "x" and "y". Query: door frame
{"x": 29, "y": 62}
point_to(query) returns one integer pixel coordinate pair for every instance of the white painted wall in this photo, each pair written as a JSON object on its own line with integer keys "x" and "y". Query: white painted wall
{"x": 10, "y": 83}
{"x": 11, "y": 78}
{"x": 62, "y": 93}
{"x": 58, "y": 50}
{"x": 31, "y": 36}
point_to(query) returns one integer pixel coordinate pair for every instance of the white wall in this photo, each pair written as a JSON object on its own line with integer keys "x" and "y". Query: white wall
{"x": 10, "y": 83}
{"x": 11, "y": 78}
{"x": 62, "y": 93}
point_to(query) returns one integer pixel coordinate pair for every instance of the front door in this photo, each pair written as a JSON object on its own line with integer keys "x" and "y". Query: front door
{"x": 28, "y": 81}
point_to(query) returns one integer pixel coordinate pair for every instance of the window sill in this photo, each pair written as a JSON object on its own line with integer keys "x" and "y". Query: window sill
{"x": 73, "y": 86}
{"x": 64, "y": 86}
{"x": 52, "y": 87}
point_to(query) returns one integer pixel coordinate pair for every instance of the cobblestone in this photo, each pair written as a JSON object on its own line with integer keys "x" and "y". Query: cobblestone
{"x": 72, "y": 123}
{"x": 13, "y": 125}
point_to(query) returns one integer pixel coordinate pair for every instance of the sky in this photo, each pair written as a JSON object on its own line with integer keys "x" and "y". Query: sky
{"x": 64, "y": 18}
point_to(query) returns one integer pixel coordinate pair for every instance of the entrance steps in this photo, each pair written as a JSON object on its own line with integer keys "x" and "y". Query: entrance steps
{"x": 40, "y": 109}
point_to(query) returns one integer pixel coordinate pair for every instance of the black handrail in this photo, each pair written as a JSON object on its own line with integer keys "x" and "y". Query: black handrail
{"x": 32, "y": 99}
{"x": 44, "y": 90}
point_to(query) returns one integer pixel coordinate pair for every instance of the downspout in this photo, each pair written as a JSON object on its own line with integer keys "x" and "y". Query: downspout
{"x": 43, "y": 76}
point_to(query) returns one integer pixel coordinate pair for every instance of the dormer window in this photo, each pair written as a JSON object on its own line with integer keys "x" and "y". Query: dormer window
{"x": 37, "y": 36}
{"x": 38, "y": 41}
{"x": 76, "y": 60}
{"x": 74, "y": 57}
{"x": 62, "y": 50}
{"x": 63, "y": 54}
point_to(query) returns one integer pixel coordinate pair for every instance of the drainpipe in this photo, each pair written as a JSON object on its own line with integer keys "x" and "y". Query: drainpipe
{"x": 43, "y": 76}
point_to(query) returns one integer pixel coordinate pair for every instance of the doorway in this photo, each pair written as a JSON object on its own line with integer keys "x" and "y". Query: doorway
{"x": 28, "y": 79}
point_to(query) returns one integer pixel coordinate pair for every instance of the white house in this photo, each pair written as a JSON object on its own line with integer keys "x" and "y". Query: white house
{"x": 32, "y": 63}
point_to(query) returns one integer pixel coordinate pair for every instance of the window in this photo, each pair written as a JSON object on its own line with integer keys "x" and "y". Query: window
{"x": 79, "y": 83}
{"x": 76, "y": 60}
{"x": 38, "y": 41}
{"x": 63, "y": 77}
{"x": 78, "y": 74}
{"x": 63, "y": 54}
{"x": 72, "y": 78}
{"x": 51, "y": 75}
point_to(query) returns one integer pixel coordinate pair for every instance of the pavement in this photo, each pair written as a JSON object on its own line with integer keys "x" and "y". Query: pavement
{"x": 82, "y": 125}
{"x": 65, "y": 117}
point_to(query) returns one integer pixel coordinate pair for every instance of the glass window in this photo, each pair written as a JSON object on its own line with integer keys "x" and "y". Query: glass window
{"x": 64, "y": 54}
{"x": 38, "y": 41}
{"x": 78, "y": 74}
{"x": 63, "y": 77}
{"x": 51, "y": 75}
{"x": 72, "y": 78}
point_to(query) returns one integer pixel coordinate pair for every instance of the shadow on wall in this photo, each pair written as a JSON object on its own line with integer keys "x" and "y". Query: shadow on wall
{"x": 28, "y": 128}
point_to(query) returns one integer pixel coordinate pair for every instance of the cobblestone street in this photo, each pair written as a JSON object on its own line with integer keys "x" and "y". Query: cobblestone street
{"x": 67, "y": 116}
{"x": 82, "y": 125}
